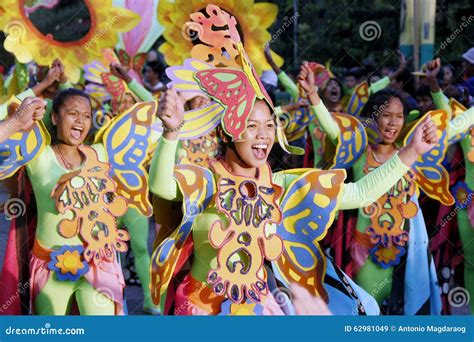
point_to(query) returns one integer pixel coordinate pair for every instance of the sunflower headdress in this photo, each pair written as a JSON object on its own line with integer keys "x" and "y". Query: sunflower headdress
{"x": 183, "y": 41}
{"x": 73, "y": 31}
{"x": 234, "y": 90}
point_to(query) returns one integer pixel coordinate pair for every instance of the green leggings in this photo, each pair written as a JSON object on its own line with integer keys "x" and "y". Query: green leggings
{"x": 137, "y": 225}
{"x": 56, "y": 298}
{"x": 466, "y": 232}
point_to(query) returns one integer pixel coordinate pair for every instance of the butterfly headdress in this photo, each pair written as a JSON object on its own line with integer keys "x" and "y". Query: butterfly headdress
{"x": 234, "y": 89}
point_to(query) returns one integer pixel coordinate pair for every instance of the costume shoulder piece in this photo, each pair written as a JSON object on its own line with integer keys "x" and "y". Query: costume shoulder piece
{"x": 456, "y": 109}
{"x": 296, "y": 122}
{"x": 127, "y": 142}
{"x": 429, "y": 172}
{"x": 21, "y": 147}
{"x": 351, "y": 143}
{"x": 358, "y": 99}
{"x": 91, "y": 195}
{"x": 308, "y": 207}
{"x": 197, "y": 186}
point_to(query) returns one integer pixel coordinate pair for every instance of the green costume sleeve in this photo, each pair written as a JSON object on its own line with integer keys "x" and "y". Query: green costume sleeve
{"x": 461, "y": 123}
{"x": 289, "y": 85}
{"x": 373, "y": 185}
{"x": 327, "y": 123}
{"x": 161, "y": 181}
{"x": 140, "y": 91}
{"x": 441, "y": 101}
{"x": 379, "y": 85}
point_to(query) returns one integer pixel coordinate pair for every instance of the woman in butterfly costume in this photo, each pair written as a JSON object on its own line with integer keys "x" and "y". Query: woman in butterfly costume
{"x": 462, "y": 121}
{"x": 80, "y": 192}
{"x": 390, "y": 251}
{"x": 247, "y": 229}
{"x": 124, "y": 92}
{"x": 331, "y": 90}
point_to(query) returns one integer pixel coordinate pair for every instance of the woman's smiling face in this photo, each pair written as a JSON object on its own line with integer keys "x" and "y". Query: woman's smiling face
{"x": 258, "y": 138}
{"x": 73, "y": 120}
{"x": 390, "y": 121}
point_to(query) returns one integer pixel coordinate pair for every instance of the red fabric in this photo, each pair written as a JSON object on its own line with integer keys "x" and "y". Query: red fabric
{"x": 188, "y": 249}
{"x": 14, "y": 280}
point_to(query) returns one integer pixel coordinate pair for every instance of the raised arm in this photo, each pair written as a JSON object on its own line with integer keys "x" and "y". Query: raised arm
{"x": 31, "y": 109}
{"x": 373, "y": 185}
{"x": 440, "y": 100}
{"x": 118, "y": 70}
{"x": 326, "y": 121}
{"x": 384, "y": 82}
{"x": 162, "y": 183}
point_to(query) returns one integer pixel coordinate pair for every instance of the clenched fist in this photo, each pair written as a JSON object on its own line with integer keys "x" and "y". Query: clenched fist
{"x": 171, "y": 113}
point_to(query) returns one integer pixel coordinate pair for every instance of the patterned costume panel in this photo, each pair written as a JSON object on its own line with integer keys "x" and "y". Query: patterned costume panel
{"x": 351, "y": 143}
{"x": 127, "y": 143}
{"x": 387, "y": 216}
{"x": 250, "y": 205}
{"x": 90, "y": 194}
{"x": 456, "y": 109}
{"x": 308, "y": 207}
{"x": 197, "y": 186}
{"x": 431, "y": 176}
{"x": 358, "y": 99}
{"x": 21, "y": 147}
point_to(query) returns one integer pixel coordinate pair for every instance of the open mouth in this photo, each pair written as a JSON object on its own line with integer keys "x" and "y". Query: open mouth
{"x": 76, "y": 132}
{"x": 390, "y": 133}
{"x": 260, "y": 150}
{"x": 334, "y": 94}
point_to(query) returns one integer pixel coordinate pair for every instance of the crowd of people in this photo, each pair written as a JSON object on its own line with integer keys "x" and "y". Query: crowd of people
{"x": 312, "y": 193}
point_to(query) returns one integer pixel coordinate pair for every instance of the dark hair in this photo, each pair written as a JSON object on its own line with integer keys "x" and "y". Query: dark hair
{"x": 407, "y": 80}
{"x": 63, "y": 95}
{"x": 423, "y": 90}
{"x": 351, "y": 73}
{"x": 378, "y": 101}
{"x": 156, "y": 66}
